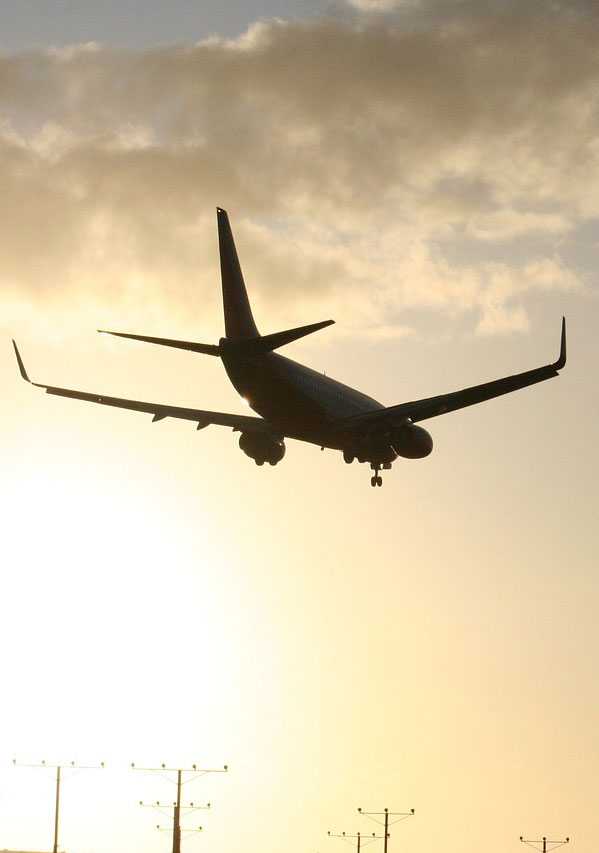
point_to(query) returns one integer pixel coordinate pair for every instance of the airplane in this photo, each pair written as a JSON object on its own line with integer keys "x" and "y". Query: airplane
{"x": 294, "y": 401}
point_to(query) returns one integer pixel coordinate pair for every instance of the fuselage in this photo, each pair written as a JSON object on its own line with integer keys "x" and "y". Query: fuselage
{"x": 300, "y": 401}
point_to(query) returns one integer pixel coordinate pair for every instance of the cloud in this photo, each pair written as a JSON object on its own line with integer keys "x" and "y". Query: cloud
{"x": 379, "y": 5}
{"x": 348, "y": 154}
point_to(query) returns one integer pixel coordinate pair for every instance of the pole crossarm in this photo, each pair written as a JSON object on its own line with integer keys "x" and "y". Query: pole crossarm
{"x": 546, "y": 844}
{"x": 187, "y": 806}
{"x": 361, "y": 840}
{"x": 347, "y": 835}
{"x": 183, "y": 831}
{"x": 385, "y": 815}
{"x": 193, "y": 769}
{"x": 191, "y": 829}
{"x": 70, "y": 765}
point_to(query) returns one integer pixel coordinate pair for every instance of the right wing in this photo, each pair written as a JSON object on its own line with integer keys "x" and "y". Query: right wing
{"x": 240, "y": 423}
{"x": 432, "y": 407}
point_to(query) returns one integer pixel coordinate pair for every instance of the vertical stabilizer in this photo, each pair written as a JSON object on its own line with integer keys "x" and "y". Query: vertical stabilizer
{"x": 239, "y": 322}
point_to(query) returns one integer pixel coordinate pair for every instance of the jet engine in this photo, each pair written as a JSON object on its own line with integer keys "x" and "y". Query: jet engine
{"x": 411, "y": 441}
{"x": 262, "y": 448}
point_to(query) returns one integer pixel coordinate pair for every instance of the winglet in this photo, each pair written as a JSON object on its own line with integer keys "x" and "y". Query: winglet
{"x": 20, "y": 363}
{"x": 561, "y": 362}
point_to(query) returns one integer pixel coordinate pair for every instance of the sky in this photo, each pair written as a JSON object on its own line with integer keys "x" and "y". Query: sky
{"x": 426, "y": 173}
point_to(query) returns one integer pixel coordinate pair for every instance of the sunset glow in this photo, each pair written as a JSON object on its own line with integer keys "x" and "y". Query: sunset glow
{"x": 424, "y": 173}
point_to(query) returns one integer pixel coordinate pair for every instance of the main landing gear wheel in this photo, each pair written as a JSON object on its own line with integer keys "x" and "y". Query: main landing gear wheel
{"x": 376, "y": 480}
{"x": 348, "y": 457}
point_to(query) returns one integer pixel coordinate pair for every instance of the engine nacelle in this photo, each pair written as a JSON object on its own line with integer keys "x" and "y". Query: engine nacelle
{"x": 262, "y": 448}
{"x": 412, "y": 441}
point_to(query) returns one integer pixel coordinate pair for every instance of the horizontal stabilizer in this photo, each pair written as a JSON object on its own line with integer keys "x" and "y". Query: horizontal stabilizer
{"x": 206, "y": 349}
{"x": 267, "y": 343}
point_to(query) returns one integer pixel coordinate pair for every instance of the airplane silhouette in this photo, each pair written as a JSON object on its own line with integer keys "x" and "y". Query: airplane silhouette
{"x": 294, "y": 401}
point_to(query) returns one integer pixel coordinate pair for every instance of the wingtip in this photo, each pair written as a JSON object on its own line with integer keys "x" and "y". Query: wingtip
{"x": 561, "y": 362}
{"x": 20, "y": 363}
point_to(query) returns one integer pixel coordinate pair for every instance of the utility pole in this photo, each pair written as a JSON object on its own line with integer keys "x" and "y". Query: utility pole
{"x": 546, "y": 843}
{"x": 385, "y": 822}
{"x": 361, "y": 840}
{"x": 58, "y": 768}
{"x": 56, "y": 810}
{"x": 177, "y": 821}
{"x": 177, "y": 806}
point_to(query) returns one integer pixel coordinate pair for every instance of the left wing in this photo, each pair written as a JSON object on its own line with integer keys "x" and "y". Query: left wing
{"x": 431, "y": 407}
{"x": 241, "y": 423}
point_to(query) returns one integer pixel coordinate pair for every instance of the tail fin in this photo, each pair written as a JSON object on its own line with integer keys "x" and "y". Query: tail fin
{"x": 239, "y": 322}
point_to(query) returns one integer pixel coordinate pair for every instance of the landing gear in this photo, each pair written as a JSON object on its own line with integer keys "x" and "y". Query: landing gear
{"x": 376, "y": 480}
{"x": 348, "y": 457}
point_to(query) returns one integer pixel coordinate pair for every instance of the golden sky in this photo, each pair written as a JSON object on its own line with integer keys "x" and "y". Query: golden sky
{"x": 426, "y": 174}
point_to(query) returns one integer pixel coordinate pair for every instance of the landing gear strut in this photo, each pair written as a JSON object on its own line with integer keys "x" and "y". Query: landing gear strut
{"x": 376, "y": 480}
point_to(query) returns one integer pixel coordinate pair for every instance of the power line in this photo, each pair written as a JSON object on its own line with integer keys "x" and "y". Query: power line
{"x": 58, "y": 768}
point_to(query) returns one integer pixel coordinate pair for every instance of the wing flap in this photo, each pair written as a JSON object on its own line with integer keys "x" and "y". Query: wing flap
{"x": 159, "y": 411}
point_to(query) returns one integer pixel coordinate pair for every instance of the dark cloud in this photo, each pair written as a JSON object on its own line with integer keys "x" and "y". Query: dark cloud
{"x": 344, "y": 150}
